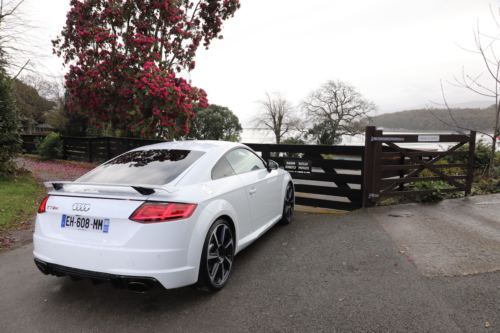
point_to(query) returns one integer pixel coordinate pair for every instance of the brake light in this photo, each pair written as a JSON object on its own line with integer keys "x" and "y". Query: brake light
{"x": 151, "y": 212}
{"x": 42, "y": 208}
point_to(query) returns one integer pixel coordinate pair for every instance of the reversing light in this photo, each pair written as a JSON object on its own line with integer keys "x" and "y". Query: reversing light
{"x": 152, "y": 212}
{"x": 42, "y": 208}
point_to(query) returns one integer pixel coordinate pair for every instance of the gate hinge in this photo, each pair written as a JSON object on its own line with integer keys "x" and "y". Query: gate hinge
{"x": 373, "y": 195}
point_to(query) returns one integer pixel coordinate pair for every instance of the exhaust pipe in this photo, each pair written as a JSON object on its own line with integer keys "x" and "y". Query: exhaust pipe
{"x": 42, "y": 268}
{"x": 138, "y": 287}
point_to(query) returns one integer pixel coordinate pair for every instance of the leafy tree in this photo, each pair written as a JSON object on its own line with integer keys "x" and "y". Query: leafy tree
{"x": 338, "y": 107}
{"x": 10, "y": 140}
{"x": 124, "y": 55}
{"x": 277, "y": 115}
{"x": 324, "y": 134}
{"x": 215, "y": 123}
{"x": 32, "y": 106}
{"x": 292, "y": 140}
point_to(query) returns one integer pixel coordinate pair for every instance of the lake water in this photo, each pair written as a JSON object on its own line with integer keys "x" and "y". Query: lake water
{"x": 260, "y": 136}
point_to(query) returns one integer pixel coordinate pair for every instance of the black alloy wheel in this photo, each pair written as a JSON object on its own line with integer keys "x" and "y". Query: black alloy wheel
{"x": 217, "y": 257}
{"x": 288, "y": 205}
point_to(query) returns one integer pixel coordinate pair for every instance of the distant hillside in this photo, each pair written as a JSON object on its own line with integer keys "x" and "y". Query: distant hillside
{"x": 476, "y": 119}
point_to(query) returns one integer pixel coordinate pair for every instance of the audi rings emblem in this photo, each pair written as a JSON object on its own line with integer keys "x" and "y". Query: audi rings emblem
{"x": 81, "y": 207}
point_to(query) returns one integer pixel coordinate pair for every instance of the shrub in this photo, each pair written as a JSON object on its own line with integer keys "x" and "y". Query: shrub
{"x": 10, "y": 140}
{"x": 434, "y": 196}
{"x": 481, "y": 155}
{"x": 51, "y": 147}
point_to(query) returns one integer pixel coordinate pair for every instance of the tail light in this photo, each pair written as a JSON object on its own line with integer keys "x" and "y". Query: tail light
{"x": 152, "y": 212}
{"x": 42, "y": 208}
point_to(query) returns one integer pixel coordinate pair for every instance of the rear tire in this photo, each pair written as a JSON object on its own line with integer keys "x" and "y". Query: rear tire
{"x": 288, "y": 205}
{"x": 217, "y": 257}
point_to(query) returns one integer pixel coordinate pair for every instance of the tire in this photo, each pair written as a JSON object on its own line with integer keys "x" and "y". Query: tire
{"x": 217, "y": 257}
{"x": 288, "y": 205}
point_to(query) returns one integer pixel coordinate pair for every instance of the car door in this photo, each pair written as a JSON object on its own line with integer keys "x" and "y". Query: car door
{"x": 263, "y": 190}
{"x": 230, "y": 188}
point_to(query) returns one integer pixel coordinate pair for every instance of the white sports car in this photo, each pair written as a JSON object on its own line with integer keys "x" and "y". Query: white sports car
{"x": 168, "y": 215}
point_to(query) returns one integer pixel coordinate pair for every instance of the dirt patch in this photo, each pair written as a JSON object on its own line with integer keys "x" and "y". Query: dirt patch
{"x": 20, "y": 237}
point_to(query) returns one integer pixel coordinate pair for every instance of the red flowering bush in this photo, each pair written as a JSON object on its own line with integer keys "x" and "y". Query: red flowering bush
{"x": 124, "y": 56}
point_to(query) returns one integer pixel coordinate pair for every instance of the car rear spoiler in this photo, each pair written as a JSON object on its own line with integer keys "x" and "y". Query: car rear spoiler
{"x": 142, "y": 189}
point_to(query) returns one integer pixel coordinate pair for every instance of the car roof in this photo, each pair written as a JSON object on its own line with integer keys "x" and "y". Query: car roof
{"x": 199, "y": 145}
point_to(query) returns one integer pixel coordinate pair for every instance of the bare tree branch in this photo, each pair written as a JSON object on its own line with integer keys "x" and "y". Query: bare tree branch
{"x": 15, "y": 77}
{"x": 492, "y": 64}
{"x": 277, "y": 115}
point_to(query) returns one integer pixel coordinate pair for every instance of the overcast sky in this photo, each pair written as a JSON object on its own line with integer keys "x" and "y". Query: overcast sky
{"x": 394, "y": 51}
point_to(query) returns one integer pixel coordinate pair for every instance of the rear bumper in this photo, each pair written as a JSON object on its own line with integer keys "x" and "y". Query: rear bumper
{"x": 134, "y": 283}
{"x": 168, "y": 267}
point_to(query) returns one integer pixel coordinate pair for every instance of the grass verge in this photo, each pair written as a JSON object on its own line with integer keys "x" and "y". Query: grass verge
{"x": 19, "y": 200}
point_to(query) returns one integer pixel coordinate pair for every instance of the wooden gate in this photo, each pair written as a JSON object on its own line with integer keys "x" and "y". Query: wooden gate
{"x": 387, "y": 172}
{"x": 332, "y": 183}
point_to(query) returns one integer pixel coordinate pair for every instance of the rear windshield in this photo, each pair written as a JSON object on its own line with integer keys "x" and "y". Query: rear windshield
{"x": 152, "y": 167}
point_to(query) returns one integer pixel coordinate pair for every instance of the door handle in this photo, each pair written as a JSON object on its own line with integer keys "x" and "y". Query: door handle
{"x": 252, "y": 191}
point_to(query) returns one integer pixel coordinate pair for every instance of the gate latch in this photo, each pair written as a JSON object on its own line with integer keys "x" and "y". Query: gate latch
{"x": 373, "y": 195}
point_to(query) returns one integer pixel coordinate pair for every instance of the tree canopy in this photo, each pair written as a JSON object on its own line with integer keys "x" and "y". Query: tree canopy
{"x": 215, "y": 123}
{"x": 10, "y": 140}
{"x": 338, "y": 107}
{"x": 31, "y": 104}
{"x": 124, "y": 57}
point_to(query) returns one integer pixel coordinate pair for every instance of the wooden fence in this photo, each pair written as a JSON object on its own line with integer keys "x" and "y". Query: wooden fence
{"x": 96, "y": 150}
{"x": 337, "y": 177}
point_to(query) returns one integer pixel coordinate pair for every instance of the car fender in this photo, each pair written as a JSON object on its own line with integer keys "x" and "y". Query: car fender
{"x": 205, "y": 221}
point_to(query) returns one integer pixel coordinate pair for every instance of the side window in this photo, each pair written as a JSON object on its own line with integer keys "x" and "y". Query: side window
{"x": 243, "y": 160}
{"x": 222, "y": 169}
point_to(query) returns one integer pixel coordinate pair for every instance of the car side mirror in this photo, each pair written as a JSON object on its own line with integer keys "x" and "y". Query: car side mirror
{"x": 271, "y": 165}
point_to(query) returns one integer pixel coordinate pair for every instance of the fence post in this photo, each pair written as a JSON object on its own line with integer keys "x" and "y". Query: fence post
{"x": 265, "y": 152}
{"x": 402, "y": 173}
{"x": 89, "y": 146}
{"x": 470, "y": 167}
{"x": 368, "y": 166}
{"x": 108, "y": 149}
{"x": 377, "y": 166}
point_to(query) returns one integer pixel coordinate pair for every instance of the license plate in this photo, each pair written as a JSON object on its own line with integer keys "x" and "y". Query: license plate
{"x": 85, "y": 223}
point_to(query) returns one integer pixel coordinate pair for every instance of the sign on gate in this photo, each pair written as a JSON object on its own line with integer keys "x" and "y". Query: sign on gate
{"x": 298, "y": 166}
